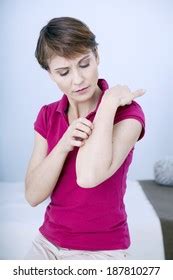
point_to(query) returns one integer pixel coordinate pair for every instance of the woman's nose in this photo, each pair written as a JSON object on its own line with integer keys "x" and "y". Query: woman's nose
{"x": 77, "y": 77}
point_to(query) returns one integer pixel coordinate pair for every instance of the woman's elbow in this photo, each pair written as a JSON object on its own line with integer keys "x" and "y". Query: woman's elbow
{"x": 93, "y": 180}
{"x": 29, "y": 196}
{"x": 30, "y": 200}
{"x": 86, "y": 182}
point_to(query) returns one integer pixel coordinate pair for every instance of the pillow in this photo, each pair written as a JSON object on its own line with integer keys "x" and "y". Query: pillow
{"x": 163, "y": 171}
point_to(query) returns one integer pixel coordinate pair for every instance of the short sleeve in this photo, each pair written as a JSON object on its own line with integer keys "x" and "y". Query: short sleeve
{"x": 40, "y": 125}
{"x": 132, "y": 111}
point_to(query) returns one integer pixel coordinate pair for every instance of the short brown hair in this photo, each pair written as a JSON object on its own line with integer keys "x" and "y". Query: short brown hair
{"x": 63, "y": 36}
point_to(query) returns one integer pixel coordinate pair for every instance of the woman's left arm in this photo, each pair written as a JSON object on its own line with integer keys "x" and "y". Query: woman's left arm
{"x": 107, "y": 146}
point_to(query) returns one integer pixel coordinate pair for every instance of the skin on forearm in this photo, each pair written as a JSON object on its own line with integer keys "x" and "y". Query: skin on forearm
{"x": 96, "y": 155}
{"x": 42, "y": 180}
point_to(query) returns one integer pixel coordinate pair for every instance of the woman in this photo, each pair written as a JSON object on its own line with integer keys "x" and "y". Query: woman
{"x": 83, "y": 148}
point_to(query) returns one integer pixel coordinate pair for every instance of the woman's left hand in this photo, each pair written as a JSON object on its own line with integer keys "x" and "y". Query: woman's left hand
{"x": 121, "y": 95}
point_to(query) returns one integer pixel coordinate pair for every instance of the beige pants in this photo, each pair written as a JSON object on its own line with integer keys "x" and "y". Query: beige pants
{"x": 42, "y": 249}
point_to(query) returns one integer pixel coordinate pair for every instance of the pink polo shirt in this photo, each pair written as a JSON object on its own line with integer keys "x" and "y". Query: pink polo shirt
{"x": 80, "y": 218}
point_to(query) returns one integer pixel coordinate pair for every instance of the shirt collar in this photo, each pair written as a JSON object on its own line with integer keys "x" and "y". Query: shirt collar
{"x": 63, "y": 103}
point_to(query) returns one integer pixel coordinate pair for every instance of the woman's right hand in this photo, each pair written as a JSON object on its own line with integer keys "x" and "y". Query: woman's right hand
{"x": 76, "y": 134}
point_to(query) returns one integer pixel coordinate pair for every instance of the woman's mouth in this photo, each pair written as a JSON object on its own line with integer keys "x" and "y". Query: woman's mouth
{"x": 83, "y": 90}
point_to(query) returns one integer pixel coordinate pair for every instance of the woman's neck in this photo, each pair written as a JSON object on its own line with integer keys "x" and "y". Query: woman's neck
{"x": 84, "y": 108}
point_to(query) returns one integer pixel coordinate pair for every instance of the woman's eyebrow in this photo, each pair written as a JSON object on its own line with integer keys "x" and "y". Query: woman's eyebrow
{"x": 64, "y": 68}
{"x": 86, "y": 56}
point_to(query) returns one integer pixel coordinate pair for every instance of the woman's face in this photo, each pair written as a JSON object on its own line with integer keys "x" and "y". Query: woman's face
{"x": 77, "y": 78}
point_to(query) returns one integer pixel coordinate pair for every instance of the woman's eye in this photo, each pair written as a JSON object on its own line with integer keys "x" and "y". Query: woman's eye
{"x": 64, "y": 74}
{"x": 86, "y": 65}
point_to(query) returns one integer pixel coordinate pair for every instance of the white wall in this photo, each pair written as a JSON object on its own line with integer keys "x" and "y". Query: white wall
{"x": 135, "y": 43}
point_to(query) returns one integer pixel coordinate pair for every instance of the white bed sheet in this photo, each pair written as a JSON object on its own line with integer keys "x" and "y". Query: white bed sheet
{"x": 19, "y": 223}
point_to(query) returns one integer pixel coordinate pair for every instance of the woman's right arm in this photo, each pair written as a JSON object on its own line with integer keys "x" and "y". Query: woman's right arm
{"x": 43, "y": 171}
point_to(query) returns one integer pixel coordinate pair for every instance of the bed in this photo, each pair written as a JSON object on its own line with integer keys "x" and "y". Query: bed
{"x": 161, "y": 198}
{"x": 19, "y": 223}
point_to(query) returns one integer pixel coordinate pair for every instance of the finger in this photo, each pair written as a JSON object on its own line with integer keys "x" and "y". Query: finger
{"x": 130, "y": 102}
{"x": 77, "y": 133}
{"x": 77, "y": 143}
{"x": 126, "y": 88}
{"x": 85, "y": 121}
{"x": 82, "y": 127}
{"x": 126, "y": 102}
{"x": 138, "y": 93}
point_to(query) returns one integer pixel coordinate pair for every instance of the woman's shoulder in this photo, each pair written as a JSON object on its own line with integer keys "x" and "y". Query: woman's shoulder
{"x": 47, "y": 111}
{"x": 52, "y": 106}
{"x": 133, "y": 108}
{"x": 50, "y": 109}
